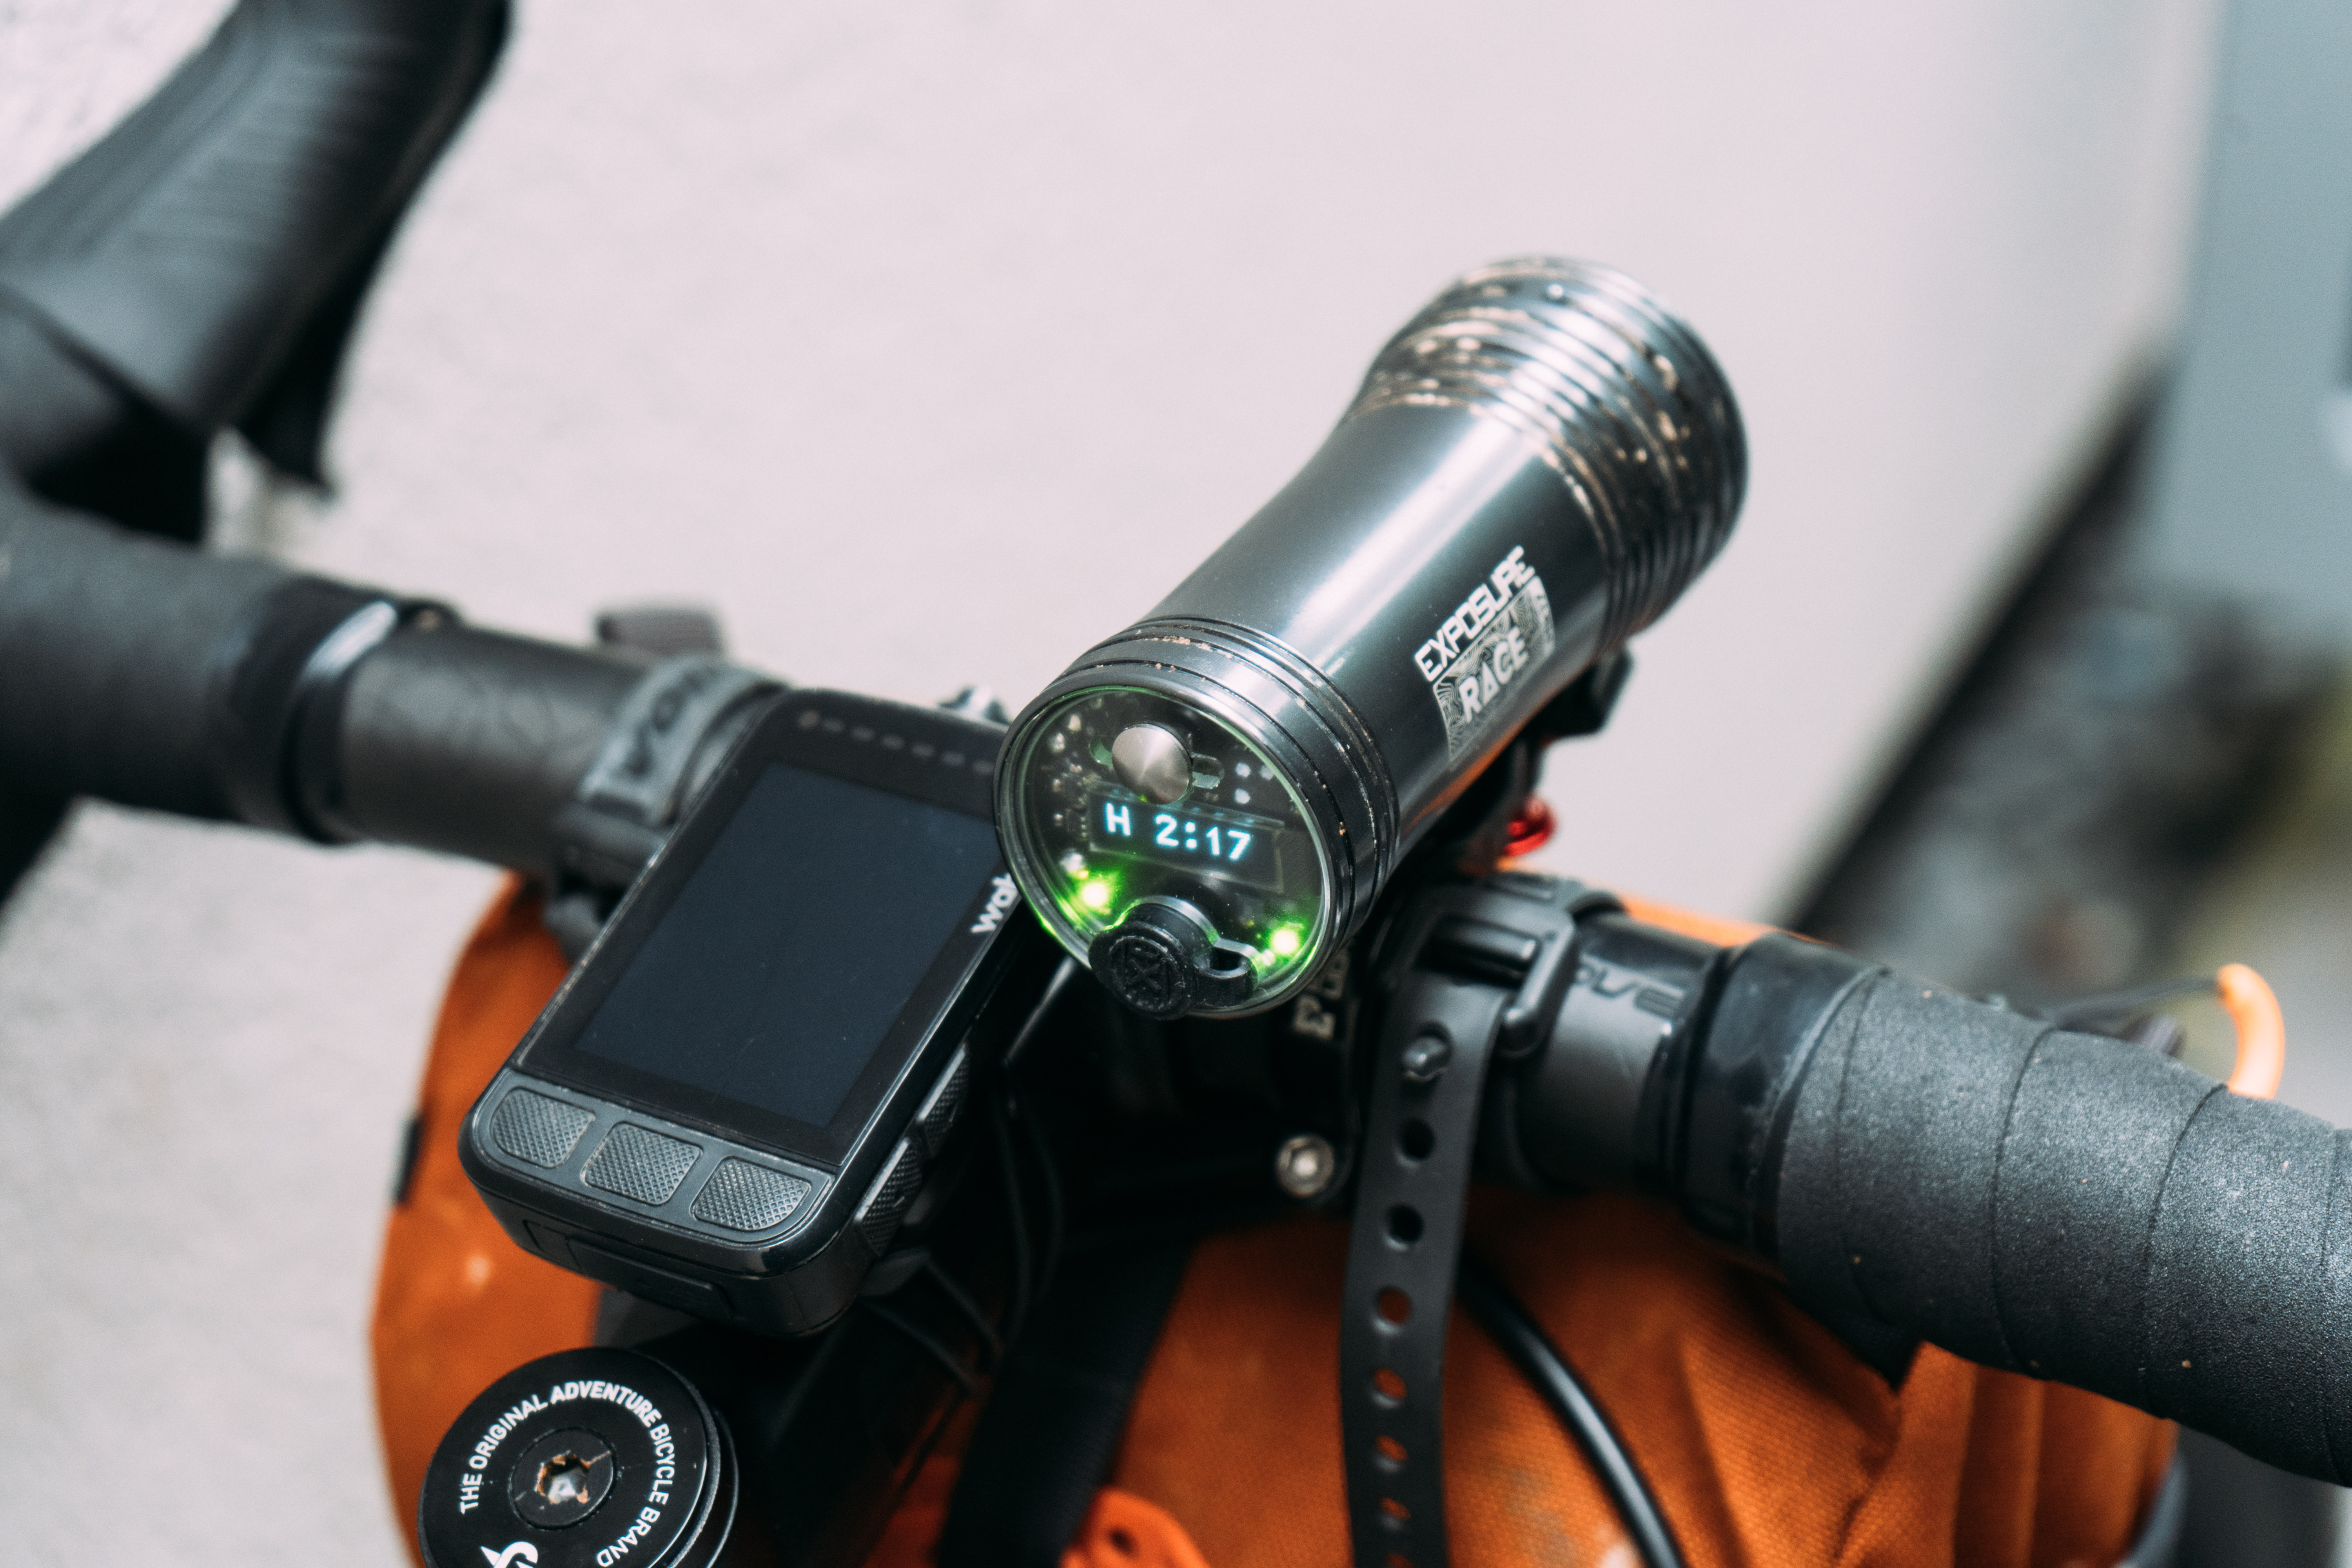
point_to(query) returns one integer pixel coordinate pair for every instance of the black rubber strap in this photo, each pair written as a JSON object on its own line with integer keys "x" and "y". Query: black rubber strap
{"x": 1427, "y": 1076}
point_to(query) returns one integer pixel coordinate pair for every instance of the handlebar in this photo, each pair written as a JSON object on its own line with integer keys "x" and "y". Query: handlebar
{"x": 220, "y": 688}
{"x": 2076, "y": 1207}
{"x": 201, "y": 267}
{"x": 211, "y": 252}
{"x": 2061, "y": 1205}
{"x": 2066, "y": 1205}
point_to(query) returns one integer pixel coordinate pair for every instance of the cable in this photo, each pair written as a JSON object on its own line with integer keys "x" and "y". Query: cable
{"x": 2090, "y": 1009}
{"x": 924, "y": 1341}
{"x": 1050, "y": 1178}
{"x": 967, "y": 1309}
{"x": 1029, "y": 1272}
{"x": 2254, "y": 1012}
{"x": 1064, "y": 974}
{"x": 1016, "y": 1221}
{"x": 1508, "y": 1325}
{"x": 1049, "y": 1174}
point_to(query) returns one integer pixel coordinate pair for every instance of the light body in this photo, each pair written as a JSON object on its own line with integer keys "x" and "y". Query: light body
{"x": 1534, "y": 469}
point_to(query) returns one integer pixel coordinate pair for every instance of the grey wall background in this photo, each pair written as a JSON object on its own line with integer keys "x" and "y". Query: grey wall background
{"x": 931, "y": 343}
{"x": 2254, "y": 486}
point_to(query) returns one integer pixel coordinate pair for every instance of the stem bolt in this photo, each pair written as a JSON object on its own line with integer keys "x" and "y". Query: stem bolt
{"x": 1305, "y": 1165}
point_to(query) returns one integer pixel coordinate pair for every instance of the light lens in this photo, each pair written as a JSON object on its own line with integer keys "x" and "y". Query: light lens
{"x": 1096, "y": 824}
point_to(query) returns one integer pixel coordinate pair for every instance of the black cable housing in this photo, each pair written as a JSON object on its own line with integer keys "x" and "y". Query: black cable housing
{"x": 1523, "y": 1340}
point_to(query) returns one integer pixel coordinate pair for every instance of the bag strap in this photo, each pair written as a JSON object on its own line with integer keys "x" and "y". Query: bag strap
{"x": 1050, "y": 1431}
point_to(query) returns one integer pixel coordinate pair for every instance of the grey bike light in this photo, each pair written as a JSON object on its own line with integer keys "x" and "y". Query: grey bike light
{"x": 1204, "y": 806}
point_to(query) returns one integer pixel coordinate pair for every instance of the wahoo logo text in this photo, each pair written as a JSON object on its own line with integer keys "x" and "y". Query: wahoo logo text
{"x": 1001, "y": 900}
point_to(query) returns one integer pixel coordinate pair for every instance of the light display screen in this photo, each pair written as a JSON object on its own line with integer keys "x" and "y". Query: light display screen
{"x": 1213, "y": 843}
{"x": 1228, "y": 839}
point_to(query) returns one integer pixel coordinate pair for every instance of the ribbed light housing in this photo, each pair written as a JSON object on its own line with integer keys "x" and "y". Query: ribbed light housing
{"x": 1624, "y": 401}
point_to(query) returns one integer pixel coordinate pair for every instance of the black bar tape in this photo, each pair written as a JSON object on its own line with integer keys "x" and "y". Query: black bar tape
{"x": 140, "y": 671}
{"x": 190, "y": 249}
{"x": 2084, "y": 1232}
{"x": 2247, "y": 1300}
{"x": 1886, "y": 1180}
{"x": 114, "y": 648}
{"x": 2077, "y": 1208}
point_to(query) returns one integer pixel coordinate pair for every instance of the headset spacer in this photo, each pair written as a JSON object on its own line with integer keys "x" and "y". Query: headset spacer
{"x": 586, "y": 1458}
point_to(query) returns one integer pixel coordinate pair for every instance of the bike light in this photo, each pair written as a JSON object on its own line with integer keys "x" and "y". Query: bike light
{"x": 1204, "y": 807}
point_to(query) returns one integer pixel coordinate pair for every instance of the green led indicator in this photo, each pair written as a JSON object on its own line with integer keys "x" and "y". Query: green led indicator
{"x": 1226, "y": 844}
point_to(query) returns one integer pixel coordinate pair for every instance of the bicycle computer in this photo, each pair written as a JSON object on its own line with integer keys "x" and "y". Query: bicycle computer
{"x": 733, "y": 1100}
